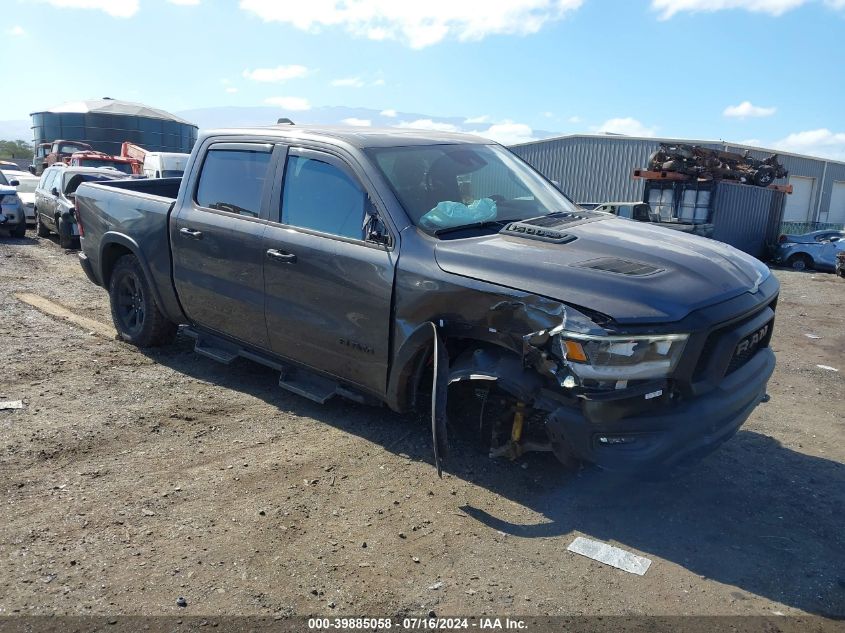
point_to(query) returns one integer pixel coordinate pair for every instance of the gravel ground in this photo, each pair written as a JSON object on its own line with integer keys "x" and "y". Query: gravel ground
{"x": 133, "y": 478}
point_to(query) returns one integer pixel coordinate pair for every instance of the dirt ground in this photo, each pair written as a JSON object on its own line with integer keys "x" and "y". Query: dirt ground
{"x": 131, "y": 479}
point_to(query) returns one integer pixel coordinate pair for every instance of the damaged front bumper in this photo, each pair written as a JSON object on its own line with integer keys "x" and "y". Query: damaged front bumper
{"x": 669, "y": 437}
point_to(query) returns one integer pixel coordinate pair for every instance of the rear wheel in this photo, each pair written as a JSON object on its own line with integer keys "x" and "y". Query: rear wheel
{"x": 40, "y": 229}
{"x": 135, "y": 313}
{"x": 65, "y": 238}
{"x": 19, "y": 230}
{"x": 800, "y": 261}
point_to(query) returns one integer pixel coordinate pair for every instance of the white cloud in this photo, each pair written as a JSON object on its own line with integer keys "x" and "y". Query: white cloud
{"x": 747, "y": 109}
{"x": 628, "y": 126}
{"x": 16, "y": 31}
{"x": 191, "y": 3}
{"x": 277, "y": 74}
{"x": 115, "y": 8}
{"x": 388, "y": 113}
{"x": 574, "y": 119}
{"x": 428, "y": 124}
{"x": 289, "y": 103}
{"x": 508, "y": 133}
{"x": 357, "y": 122}
{"x": 668, "y": 8}
{"x": 231, "y": 90}
{"x": 348, "y": 82}
{"x": 477, "y": 119}
{"x": 821, "y": 142}
{"x": 378, "y": 82}
{"x": 414, "y": 23}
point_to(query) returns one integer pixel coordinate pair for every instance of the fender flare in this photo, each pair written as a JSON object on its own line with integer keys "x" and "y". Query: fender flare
{"x": 407, "y": 364}
{"x": 111, "y": 237}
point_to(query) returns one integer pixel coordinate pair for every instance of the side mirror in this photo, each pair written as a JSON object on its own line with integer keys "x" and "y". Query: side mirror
{"x": 378, "y": 233}
{"x": 31, "y": 169}
{"x": 55, "y": 191}
{"x": 14, "y": 183}
{"x": 374, "y": 229}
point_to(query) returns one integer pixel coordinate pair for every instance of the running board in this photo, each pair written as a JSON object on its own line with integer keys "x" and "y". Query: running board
{"x": 216, "y": 349}
{"x": 308, "y": 385}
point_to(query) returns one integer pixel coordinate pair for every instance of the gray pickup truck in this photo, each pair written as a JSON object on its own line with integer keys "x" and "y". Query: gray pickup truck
{"x": 397, "y": 266}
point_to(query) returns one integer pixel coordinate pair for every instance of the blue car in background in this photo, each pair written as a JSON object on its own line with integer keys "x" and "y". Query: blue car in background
{"x": 816, "y": 250}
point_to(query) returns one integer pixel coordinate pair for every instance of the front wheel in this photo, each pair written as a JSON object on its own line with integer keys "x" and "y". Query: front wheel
{"x": 40, "y": 229}
{"x": 800, "y": 262}
{"x": 135, "y": 313}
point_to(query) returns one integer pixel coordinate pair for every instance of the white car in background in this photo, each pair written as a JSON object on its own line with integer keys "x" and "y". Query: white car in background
{"x": 26, "y": 191}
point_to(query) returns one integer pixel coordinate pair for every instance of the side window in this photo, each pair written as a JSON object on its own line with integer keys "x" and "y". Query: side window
{"x": 48, "y": 179}
{"x": 233, "y": 180}
{"x": 321, "y": 197}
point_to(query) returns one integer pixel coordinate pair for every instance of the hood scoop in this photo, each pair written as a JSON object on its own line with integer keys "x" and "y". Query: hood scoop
{"x": 620, "y": 267}
{"x": 548, "y": 228}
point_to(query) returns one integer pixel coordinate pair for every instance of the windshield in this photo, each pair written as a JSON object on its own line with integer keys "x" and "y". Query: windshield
{"x": 126, "y": 168}
{"x": 66, "y": 148}
{"x": 172, "y": 173}
{"x": 3, "y": 180}
{"x": 443, "y": 187}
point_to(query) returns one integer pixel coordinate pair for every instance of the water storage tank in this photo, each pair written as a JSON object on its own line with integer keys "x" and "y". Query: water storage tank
{"x": 106, "y": 123}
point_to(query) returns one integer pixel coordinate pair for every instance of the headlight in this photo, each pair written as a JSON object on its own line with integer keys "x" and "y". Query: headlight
{"x": 11, "y": 200}
{"x": 621, "y": 358}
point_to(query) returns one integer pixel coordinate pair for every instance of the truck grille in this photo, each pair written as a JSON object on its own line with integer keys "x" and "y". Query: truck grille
{"x": 749, "y": 346}
{"x": 714, "y": 351}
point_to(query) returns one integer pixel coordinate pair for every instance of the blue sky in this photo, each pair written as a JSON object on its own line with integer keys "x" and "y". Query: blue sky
{"x": 767, "y": 71}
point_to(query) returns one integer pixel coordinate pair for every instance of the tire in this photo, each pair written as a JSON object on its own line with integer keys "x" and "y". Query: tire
{"x": 20, "y": 230}
{"x": 65, "y": 238}
{"x": 800, "y": 262}
{"x": 40, "y": 229}
{"x": 764, "y": 176}
{"x": 135, "y": 313}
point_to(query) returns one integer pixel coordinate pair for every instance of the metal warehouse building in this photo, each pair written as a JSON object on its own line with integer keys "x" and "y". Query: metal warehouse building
{"x": 106, "y": 123}
{"x": 593, "y": 169}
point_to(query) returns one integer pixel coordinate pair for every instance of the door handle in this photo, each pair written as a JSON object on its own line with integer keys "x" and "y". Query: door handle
{"x": 279, "y": 256}
{"x": 190, "y": 233}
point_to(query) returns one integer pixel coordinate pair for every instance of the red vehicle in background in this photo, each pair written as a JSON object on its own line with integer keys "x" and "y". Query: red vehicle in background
{"x": 59, "y": 151}
{"x": 91, "y": 158}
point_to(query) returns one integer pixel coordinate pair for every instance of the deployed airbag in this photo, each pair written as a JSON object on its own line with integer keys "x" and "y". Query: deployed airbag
{"x": 448, "y": 214}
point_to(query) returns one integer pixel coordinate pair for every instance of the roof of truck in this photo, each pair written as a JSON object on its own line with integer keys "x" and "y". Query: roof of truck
{"x": 359, "y": 137}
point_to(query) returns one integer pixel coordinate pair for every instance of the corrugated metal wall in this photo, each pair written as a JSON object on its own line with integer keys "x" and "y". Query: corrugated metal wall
{"x": 596, "y": 169}
{"x": 593, "y": 169}
{"x": 747, "y": 217}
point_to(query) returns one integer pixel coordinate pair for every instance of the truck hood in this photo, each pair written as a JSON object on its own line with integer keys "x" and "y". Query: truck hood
{"x": 630, "y": 271}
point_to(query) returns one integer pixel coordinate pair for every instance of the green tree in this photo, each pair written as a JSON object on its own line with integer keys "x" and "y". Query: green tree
{"x": 15, "y": 149}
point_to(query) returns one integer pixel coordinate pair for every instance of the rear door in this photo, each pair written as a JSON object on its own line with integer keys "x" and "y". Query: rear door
{"x": 328, "y": 288}
{"x": 45, "y": 201}
{"x": 217, "y": 241}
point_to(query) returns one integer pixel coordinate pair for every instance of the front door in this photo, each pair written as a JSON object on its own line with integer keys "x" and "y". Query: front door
{"x": 217, "y": 241}
{"x": 328, "y": 289}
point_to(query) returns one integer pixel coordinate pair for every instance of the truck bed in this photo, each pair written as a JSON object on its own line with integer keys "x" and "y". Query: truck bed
{"x": 132, "y": 215}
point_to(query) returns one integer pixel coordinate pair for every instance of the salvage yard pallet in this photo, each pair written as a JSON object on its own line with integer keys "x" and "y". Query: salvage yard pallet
{"x": 673, "y": 175}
